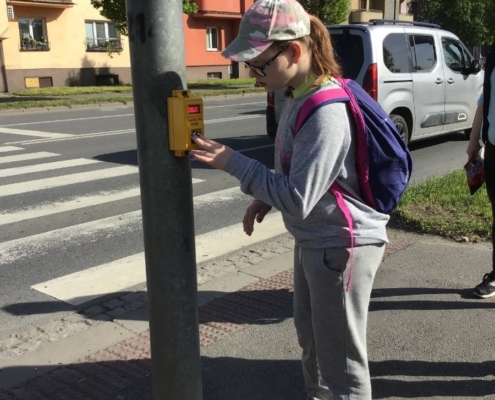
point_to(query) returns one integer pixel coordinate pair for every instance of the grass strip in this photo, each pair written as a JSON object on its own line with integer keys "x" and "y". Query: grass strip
{"x": 60, "y": 102}
{"x": 81, "y": 90}
{"x": 444, "y": 206}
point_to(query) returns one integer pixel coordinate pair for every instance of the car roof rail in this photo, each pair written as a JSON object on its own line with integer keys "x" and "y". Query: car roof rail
{"x": 402, "y": 22}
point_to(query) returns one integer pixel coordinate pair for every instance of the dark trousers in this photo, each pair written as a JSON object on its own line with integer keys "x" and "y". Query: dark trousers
{"x": 489, "y": 164}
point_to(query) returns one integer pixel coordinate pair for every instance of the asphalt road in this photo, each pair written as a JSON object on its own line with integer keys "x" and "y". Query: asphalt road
{"x": 69, "y": 196}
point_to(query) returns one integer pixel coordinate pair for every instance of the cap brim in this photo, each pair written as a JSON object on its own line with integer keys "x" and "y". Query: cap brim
{"x": 245, "y": 50}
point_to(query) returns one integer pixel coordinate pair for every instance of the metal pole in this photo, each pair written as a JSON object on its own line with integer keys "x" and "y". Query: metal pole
{"x": 156, "y": 39}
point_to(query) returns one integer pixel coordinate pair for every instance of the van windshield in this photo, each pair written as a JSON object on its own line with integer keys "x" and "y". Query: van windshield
{"x": 349, "y": 52}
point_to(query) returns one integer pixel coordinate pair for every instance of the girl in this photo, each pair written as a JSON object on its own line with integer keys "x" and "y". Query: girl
{"x": 285, "y": 47}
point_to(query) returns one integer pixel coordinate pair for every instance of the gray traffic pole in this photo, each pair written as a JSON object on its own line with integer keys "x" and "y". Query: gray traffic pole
{"x": 156, "y": 39}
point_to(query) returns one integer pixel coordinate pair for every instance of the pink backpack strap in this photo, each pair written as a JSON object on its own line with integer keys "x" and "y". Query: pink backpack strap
{"x": 317, "y": 100}
{"x": 337, "y": 191}
{"x": 312, "y": 104}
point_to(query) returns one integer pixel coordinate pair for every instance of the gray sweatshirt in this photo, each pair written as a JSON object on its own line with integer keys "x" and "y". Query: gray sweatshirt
{"x": 306, "y": 165}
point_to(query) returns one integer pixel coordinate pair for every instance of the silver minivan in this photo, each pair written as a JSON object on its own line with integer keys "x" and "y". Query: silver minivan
{"x": 424, "y": 77}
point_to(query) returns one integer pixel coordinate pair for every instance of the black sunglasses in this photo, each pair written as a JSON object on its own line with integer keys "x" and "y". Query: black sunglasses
{"x": 261, "y": 70}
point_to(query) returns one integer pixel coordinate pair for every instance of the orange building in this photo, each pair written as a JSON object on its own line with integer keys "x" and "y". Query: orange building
{"x": 215, "y": 25}
{"x": 66, "y": 42}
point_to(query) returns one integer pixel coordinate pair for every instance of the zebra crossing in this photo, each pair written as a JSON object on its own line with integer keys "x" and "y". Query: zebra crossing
{"x": 89, "y": 249}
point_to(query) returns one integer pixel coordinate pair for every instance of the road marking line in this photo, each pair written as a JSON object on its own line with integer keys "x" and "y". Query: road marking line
{"x": 116, "y": 116}
{"x": 30, "y": 169}
{"x": 119, "y": 132}
{"x": 217, "y": 120}
{"x": 17, "y": 249}
{"x": 58, "y": 239}
{"x": 7, "y": 149}
{"x": 25, "y": 132}
{"x": 76, "y": 203}
{"x": 57, "y": 181}
{"x": 25, "y": 157}
{"x": 82, "y": 136}
{"x": 68, "y": 205}
{"x": 81, "y": 287}
{"x": 69, "y": 120}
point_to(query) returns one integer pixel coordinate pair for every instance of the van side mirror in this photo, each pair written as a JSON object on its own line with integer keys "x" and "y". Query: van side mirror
{"x": 475, "y": 67}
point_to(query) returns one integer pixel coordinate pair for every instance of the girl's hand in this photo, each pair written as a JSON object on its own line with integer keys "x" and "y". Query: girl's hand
{"x": 212, "y": 153}
{"x": 473, "y": 149}
{"x": 258, "y": 210}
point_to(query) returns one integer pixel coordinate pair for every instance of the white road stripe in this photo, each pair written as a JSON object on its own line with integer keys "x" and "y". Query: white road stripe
{"x": 217, "y": 120}
{"x": 17, "y": 249}
{"x": 25, "y": 132}
{"x": 81, "y": 287}
{"x": 68, "y": 205}
{"x": 59, "y": 239}
{"x": 75, "y": 137}
{"x": 7, "y": 149}
{"x": 69, "y": 120}
{"x": 25, "y": 157}
{"x": 29, "y": 169}
{"x": 48, "y": 183}
{"x": 116, "y": 116}
{"x": 76, "y": 203}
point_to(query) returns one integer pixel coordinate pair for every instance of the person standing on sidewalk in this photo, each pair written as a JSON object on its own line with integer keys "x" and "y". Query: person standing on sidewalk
{"x": 484, "y": 122}
{"x": 284, "y": 47}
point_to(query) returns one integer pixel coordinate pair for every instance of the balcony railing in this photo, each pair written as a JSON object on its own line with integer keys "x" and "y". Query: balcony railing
{"x": 112, "y": 45}
{"x": 363, "y": 16}
{"x": 33, "y": 45}
{"x": 43, "y": 3}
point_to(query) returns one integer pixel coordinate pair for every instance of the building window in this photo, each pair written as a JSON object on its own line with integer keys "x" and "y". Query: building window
{"x": 102, "y": 36}
{"x": 32, "y": 34}
{"x": 213, "y": 75}
{"x": 212, "y": 39}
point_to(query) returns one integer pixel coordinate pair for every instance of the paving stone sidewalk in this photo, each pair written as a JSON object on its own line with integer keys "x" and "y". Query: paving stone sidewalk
{"x": 105, "y": 372}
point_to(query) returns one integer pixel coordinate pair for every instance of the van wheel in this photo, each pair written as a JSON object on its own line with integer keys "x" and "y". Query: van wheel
{"x": 401, "y": 125}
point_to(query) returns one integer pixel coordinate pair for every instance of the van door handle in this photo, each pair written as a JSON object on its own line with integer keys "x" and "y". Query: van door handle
{"x": 439, "y": 81}
{"x": 451, "y": 80}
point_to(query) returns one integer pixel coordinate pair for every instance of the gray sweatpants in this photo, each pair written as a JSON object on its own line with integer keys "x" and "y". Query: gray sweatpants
{"x": 331, "y": 322}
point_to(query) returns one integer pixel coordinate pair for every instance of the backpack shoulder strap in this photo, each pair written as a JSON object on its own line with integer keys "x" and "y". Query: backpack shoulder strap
{"x": 317, "y": 100}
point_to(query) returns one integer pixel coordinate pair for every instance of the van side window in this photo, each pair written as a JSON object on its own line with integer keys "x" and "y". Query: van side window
{"x": 424, "y": 56}
{"x": 456, "y": 56}
{"x": 395, "y": 54}
{"x": 349, "y": 51}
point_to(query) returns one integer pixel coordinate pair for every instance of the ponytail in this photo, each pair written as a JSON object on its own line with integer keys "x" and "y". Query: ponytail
{"x": 323, "y": 62}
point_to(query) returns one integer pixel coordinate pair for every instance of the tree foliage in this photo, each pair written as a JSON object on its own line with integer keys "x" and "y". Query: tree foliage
{"x": 115, "y": 11}
{"x": 472, "y": 20}
{"x": 329, "y": 11}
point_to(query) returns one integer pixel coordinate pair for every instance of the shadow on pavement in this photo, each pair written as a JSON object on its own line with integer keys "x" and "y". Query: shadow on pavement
{"x": 244, "y": 307}
{"x": 262, "y": 151}
{"x": 226, "y": 378}
{"x": 226, "y": 307}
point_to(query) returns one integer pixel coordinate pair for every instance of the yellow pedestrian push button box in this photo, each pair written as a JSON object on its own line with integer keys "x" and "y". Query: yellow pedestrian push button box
{"x": 185, "y": 117}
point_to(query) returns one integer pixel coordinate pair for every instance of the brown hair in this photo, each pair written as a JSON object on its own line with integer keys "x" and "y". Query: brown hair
{"x": 323, "y": 60}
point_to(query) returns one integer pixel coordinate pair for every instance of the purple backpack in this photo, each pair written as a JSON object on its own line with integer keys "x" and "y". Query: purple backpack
{"x": 383, "y": 161}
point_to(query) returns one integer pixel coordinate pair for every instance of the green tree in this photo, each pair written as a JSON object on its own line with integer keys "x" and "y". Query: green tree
{"x": 329, "y": 11}
{"x": 115, "y": 11}
{"x": 472, "y": 20}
